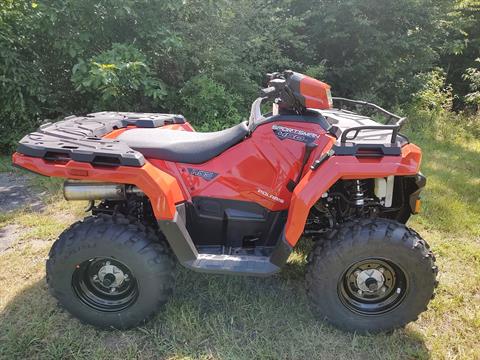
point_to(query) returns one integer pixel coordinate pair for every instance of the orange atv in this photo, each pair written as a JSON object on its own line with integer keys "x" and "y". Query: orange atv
{"x": 237, "y": 201}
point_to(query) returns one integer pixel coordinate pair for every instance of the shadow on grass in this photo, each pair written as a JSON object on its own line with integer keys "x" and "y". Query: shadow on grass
{"x": 209, "y": 316}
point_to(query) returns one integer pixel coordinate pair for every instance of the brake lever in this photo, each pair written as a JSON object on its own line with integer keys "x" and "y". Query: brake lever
{"x": 316, "y": 164}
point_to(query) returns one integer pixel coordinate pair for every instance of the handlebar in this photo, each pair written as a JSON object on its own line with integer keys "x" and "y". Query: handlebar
{"x": 274, "y": 89}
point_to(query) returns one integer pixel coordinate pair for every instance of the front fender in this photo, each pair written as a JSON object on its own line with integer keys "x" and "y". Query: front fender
{"x": 317, "y": 182}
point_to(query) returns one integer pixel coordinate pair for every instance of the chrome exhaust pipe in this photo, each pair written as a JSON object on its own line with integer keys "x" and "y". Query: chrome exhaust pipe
{"x": 86, "y": 190}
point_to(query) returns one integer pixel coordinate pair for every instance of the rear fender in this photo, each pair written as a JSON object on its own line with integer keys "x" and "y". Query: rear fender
{"x": 161, "y": 188}
{"x": 317, "y": 182}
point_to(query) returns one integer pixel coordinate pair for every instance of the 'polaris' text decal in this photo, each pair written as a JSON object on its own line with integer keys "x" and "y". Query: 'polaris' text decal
{"x": 283, "y": 133}
{"x": 270, "y": 196}
{"x": 206, "y": 175}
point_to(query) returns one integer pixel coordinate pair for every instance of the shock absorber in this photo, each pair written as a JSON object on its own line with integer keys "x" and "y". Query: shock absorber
{"x": 359, "y": 196}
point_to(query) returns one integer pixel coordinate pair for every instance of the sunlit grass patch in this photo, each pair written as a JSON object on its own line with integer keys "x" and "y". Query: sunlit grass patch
{"x": 452, "y": 195}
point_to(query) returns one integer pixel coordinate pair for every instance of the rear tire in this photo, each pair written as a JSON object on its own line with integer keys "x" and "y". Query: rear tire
{"x": 111, "y": 271}
{"x": 371, "y": 275}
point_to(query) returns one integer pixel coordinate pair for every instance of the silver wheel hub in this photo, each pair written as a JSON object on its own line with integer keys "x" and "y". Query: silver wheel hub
{"x": 370, "y": 280}
{"x": 110, "y": 276}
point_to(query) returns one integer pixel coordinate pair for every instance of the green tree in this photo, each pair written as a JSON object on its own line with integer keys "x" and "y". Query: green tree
{"x": 59, "y": 57}
{"x": 464, "y": 49}
{"x": 23, "y": 90}
{"x": 373, "y": 49}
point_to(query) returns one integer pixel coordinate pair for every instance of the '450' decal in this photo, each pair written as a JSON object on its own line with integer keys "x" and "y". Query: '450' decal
{"x": 283, "y": 133}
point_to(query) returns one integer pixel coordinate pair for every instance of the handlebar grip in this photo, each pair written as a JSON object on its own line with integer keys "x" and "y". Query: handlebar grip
{"x": 267, "y": 91}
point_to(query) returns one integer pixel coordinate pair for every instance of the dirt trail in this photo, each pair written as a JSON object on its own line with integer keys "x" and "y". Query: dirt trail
{"x": 15, "y": 193}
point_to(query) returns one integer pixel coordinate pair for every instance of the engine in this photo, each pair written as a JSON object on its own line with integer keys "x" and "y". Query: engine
{"x": 392, "y": 197}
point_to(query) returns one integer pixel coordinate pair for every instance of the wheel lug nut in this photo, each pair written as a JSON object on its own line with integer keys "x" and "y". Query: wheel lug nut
{"x": 383, "y": 289}
{"x": 381, "y": 270}
{"x": 359, "y": 292}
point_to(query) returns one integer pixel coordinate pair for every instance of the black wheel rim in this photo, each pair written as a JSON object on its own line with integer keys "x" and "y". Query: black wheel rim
{"x": 372, "y": 286}
{"x": 105, "y": 284}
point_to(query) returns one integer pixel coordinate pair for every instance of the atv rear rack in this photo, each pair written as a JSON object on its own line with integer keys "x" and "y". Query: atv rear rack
{"x": 79, "y": 138}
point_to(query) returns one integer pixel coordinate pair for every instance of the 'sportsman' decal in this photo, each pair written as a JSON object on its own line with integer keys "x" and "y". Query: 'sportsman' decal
{"x": 283, "y": 133}
{"x": 206, "y": 175}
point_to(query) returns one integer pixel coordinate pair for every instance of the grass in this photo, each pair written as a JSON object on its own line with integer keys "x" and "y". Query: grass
{"x": 6, "y": 164}
{"x": 219, "y": 317}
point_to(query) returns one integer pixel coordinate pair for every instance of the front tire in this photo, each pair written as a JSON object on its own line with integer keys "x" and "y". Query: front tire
{"x": 110, "y": 271}
{"x": 371, "y": 275}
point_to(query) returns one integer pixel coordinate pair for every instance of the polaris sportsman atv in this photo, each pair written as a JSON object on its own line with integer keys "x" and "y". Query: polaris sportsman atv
{"x": 237, "y": 201}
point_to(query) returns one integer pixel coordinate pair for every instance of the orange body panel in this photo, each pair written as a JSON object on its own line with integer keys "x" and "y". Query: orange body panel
{"x": 258, "y": 170}
{"x": 255, "y": 170}
{"x": 161, "y": 188}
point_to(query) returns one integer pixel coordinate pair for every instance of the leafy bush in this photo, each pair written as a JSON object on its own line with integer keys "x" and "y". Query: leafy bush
{"x": 208, "y": 105}
{"x": 118, "y": 79}
{"x": 435, "y": 96}
{"x": 431, "y": 106}
{"x": 431, "y": 110}
{"x": 472, "y": 75}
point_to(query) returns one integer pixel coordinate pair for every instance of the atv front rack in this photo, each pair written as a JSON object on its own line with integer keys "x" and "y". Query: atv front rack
{"x": 366, "y": 137}
{"x": 347, "y": 145}
{"x": 392, "y": 119}
{"x": 79, "y": 138}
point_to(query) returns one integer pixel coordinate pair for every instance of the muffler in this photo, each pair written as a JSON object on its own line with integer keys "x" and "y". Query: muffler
{"x": 86, "y": 190}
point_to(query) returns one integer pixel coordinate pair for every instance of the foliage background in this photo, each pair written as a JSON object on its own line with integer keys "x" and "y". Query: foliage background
{"x": 207, "y": 59}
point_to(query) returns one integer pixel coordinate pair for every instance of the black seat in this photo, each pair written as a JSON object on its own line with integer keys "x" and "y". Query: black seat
{"x": 183, "y": 146}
